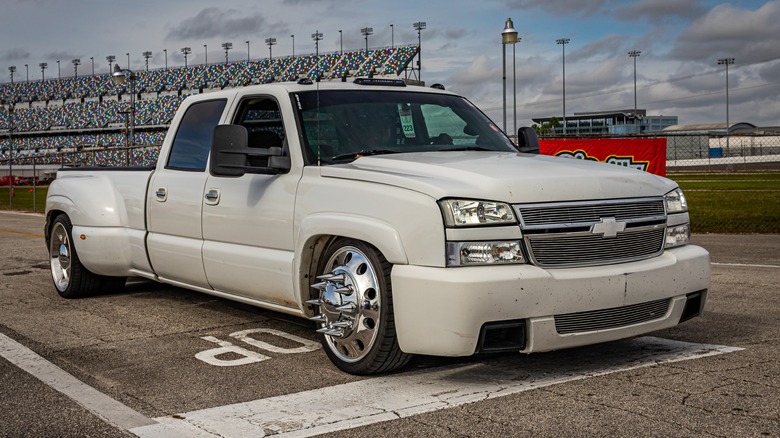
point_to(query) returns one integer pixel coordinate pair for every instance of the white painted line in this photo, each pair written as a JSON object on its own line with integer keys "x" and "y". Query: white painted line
{"x": 103, "y": 406}
{"x": 745, "y": 265}
{"x": 402, "y": 395}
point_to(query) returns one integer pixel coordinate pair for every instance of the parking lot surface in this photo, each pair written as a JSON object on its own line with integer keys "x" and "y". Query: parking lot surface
{"x": 152, "y": 360}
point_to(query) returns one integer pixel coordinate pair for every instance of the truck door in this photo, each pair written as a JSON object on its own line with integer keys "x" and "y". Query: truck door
{"x": 175, "y": 240}
{"x": 248, "y": 221}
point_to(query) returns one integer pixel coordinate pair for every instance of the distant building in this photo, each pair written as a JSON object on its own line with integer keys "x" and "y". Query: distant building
{"x": 609, "y": 122}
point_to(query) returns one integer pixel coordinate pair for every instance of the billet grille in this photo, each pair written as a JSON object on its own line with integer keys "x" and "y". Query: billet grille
{"x": 536, "y": 215}
{"x": 592, "y": 249}
{"x": 615, "y": 317}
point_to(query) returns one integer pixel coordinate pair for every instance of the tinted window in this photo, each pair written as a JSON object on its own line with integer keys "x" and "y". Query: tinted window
{"x": 192, "y": 143}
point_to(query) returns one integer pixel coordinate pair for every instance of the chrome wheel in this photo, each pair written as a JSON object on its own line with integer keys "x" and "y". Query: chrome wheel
{"x": 350, "y": 304}
{"x": 60, "y": 254}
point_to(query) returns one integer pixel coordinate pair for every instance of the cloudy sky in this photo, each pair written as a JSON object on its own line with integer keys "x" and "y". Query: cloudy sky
{"x": 677, "y": 73}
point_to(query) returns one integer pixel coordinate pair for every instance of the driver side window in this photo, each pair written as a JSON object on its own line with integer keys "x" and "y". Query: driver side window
{"x": 263, "y": 121}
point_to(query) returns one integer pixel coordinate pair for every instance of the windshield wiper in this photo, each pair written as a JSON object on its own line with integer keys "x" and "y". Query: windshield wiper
{"x": 355, "y": 155}
{"x": 467, "y": 148}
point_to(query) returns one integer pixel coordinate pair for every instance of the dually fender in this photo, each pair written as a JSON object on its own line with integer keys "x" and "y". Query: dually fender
{"x": 370, "y": 230}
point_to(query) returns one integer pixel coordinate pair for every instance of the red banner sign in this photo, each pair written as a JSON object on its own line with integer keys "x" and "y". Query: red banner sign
{"x": 648, "y": 154}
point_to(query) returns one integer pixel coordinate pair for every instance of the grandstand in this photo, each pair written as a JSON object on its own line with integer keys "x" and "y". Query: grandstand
{"x": 88, "y": 112}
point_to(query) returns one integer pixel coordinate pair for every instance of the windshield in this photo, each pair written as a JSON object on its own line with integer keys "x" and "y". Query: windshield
{"x": 341, "y": 126}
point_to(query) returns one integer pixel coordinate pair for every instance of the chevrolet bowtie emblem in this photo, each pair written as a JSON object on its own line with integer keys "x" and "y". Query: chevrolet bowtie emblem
{"x": 608, "y": 227}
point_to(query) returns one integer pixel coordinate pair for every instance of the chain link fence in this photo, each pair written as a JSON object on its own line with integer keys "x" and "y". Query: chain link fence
{"x": 732, "y": 183}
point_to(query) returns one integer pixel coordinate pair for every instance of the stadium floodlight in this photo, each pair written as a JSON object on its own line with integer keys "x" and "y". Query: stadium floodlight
{"x": 92, "y": 58}
{"x": 166, "y": 58}
{"x": 12, "y": 69}
{"x": 293, "y": 45}
{"x": 366, "y": 31}
{"x": 419, "y": 26}
{"x": 341, "y": 42}
{"x": 128, "y": 60}
{"x": 59, "y": 76}
{"x": 635, "y": 54}
{"x": 727, "y": 62}
{"x": 562, "y": 42}
{"x": 110, "y": 59}
{"x": 227, "y": 46}
{"x": 206, "y": 50}
{"x": 147, "y": 55}
{"x": 121, "y": 77}
{"x": 247, "y": 50}
{"x": 27, "y": 71}
{"x": 43, "y": 66}
{"x": 185, "y": 51}
{"x": 76, "y": 63}
{"x": 271, "y": 42}
{"x": 392, "y": 36}
{"x": 317, "y": 37}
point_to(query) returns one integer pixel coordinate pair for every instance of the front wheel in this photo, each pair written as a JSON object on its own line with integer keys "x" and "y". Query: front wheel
{"x": 71, "y": 278}
{"x": 355, "y": 309}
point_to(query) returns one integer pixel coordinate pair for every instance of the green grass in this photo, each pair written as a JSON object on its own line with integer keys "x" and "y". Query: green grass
{"x": 744, "y": 203}
{"x": 732, "y": 202}
{"x": 23, "y": 198}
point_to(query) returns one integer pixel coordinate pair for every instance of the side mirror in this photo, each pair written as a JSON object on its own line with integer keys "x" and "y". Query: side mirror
{"x": 232, "y": 156}
{"x": 228, "y": 150}
{"x": 527, "y": 140}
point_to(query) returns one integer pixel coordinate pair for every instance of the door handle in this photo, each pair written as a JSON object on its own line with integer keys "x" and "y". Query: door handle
{"x": 161, "y": 194}
{"x": 212, "y": 197}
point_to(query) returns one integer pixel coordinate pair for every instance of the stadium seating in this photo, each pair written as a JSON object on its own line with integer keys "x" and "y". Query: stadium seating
{"x": 54, "y": 115}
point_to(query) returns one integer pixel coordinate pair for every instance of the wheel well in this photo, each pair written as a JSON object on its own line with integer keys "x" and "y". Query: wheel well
{"x": 51, "y": 216}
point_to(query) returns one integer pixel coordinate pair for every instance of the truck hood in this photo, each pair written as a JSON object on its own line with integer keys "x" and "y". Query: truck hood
{"x": 502, "y": 176}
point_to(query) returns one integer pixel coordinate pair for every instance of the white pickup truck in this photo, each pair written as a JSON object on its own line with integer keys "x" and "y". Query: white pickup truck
{"x": 399, "y": 219}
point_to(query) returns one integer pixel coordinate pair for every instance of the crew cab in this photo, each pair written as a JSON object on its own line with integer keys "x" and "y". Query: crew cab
{"x": 400, "y": 219}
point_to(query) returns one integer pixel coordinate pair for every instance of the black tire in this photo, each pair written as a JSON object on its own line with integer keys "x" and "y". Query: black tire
{"x": 71, "y": 278}
{"x": 355, "y": 309}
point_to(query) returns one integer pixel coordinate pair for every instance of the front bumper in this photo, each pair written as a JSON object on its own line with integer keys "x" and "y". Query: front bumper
{"x": 440, "y": 311}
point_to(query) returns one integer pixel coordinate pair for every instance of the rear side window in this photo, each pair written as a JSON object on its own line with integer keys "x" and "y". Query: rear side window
{"x": 192, "y": 143}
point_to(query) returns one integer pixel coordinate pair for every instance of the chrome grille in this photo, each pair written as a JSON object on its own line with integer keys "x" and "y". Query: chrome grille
{"x": 592, "y": 233}
{"x": 542, "y": 215}
{"x": 611, "y": 318}
{"x": 587, "y": 249}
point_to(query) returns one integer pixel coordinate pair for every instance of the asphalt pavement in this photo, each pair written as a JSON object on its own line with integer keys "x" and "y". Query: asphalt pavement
{"x": 150, "y": 360}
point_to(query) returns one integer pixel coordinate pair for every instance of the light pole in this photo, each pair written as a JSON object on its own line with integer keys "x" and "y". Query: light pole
{"x": 27, "y": 71}
{"x": 392, "y": 36}
{"x": 727, "y": 62}
{"x": 12, "y": 69}
{"x": 59, "y": 76}
{"x": 563, "y": 42}
{"x": 293, "y": 45}
{"x": 147, "y": 55}
{"x": 206, "y": 50}
{"x": 227, "y": 46}
{"x": 341, "y": 42}
{"x": 110, "y": 59}
{"x": 76, "y": 63}
{"x": 128, "y": 60}
{"x": 165, "y": 51}
{"x": 185, "y": 51}
{"x": 317, "y": 37}
{"x": 120, "y": 77}
{"x": 247, "y": 50}
{"x": 271, "y": 42}
{"x": 508, "y": 36}
{"x": 43, "y": 67}
{"x": 366, "y": 31}
{"x": 419, "y": 26}
{"x": 92, "y": 59}
{"x": 635, "y": 54}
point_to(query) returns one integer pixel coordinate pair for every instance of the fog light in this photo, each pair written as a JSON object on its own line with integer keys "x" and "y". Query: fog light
{"x": 484, "y": 253}
{"x": 678, "y": 235}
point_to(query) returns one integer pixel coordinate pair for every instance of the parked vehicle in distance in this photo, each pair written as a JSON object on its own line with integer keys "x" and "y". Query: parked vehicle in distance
{"x": 399, "y": 219}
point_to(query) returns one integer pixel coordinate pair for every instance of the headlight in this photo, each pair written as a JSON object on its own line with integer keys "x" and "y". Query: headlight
{"x": 675, "y": 202}
{"x": 677, "y": 235}
{"x": 467, "y": 212}
{"x": 484, "y": 253}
